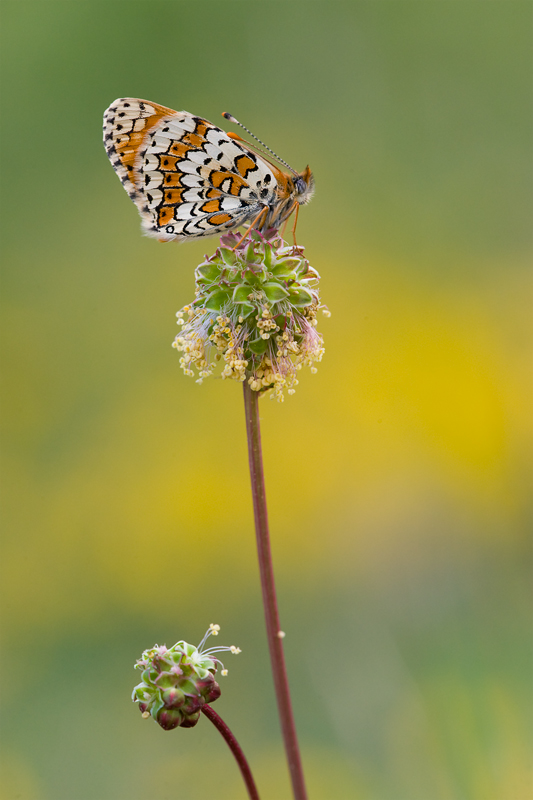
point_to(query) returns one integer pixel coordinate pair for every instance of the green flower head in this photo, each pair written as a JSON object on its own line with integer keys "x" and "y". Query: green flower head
{"x": 178, "y": 681}
{"x": 255, "y": 311}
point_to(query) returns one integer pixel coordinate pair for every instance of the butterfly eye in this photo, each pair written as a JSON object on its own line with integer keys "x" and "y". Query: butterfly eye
{"x": 300, "y": 185}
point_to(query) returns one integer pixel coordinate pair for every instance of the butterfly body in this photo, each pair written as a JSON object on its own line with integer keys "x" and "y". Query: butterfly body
{"x": 190, "y": 179}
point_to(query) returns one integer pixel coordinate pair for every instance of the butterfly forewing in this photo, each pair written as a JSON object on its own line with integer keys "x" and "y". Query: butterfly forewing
{"x": 186, "y": 176}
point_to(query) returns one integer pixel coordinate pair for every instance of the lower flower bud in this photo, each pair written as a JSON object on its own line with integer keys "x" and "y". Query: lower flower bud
{"x": 169, "y": 718}
{"x": 190, "y": 722}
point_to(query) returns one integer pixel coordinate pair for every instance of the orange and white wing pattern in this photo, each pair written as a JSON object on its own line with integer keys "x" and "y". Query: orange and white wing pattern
{"x": 189, "y": 179}
{"x": 186, "y": 176}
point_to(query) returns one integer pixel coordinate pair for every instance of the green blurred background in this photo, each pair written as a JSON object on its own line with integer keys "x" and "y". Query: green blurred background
{"x": 397, "y": 476}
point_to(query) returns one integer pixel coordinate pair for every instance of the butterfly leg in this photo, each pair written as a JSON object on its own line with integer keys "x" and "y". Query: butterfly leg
{"x": 295, "y": 221}
{"x": 254, "y": 221}
{"x": 295, "y": 208}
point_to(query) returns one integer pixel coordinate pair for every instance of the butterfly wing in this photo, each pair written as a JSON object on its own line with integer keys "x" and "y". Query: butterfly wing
{"x": 186, "y": 176}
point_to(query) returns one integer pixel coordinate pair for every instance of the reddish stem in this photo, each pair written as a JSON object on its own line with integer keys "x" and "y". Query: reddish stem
{"x": 274, "y": 636}
{"x": 235, "y": 748}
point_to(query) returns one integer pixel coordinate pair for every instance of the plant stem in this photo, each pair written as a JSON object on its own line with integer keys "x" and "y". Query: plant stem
{"x": 274, "y": 635}
{"x": 235, "y": 748}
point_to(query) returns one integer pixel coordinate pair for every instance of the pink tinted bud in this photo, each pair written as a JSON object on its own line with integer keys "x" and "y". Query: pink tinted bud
{"x": 173, "y": 698}
{"x": 204, "y": 684}
{"x": 190, "y": 722}
{"x": 169, "y": 718}
{"x": 214, "y": 693}
{"x": 192, "y": 704}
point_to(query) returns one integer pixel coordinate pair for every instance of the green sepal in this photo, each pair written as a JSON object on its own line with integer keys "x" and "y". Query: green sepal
{"x": 241, "y": 293}
{"x": 165, "y": 680}
{"x": 188, "y": 687}
{"x": 202, "y": 673}
{"x": 289, "y": 252}
{"x": 258, "y": 346}
{"x": 254, "y": 278}
{"x": 283, "y": 272}
{"x": 157, "y": 706}
{"x": 300, "y": 297}
{"x": 250, "y": 254}
{"x": 274, "y": 292}
{"x": 217, "y": 299}
{"x": 306, "y": 271}
{"x": 268, "y": 259}
{"x": 210, "y": 272}
{"x": 291, "y": 263}
{"x": 207, "y": 664}
{"x": 139, "y": 692}
{"x": 246, "y": 309}
{"x": 228, "y": 256}
{"x": 146, "y": 676}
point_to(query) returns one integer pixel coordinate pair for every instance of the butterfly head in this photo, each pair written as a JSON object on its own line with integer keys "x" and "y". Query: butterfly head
{"x": 304, "y": 186}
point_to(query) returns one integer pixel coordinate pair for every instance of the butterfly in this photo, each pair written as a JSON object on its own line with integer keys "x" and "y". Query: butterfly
{"x": 190, "y": 179}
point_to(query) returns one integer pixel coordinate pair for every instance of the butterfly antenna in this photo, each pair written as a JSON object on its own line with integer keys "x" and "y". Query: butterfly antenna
{"x": 236, "y": 122}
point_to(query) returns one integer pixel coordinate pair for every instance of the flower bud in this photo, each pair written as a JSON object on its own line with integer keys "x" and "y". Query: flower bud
{"x": 169, "y": 718}
{"x": 173, "y": 698}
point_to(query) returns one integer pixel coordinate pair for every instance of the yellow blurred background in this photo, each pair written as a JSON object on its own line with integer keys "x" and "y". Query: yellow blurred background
{"x": 397, "y": 476}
